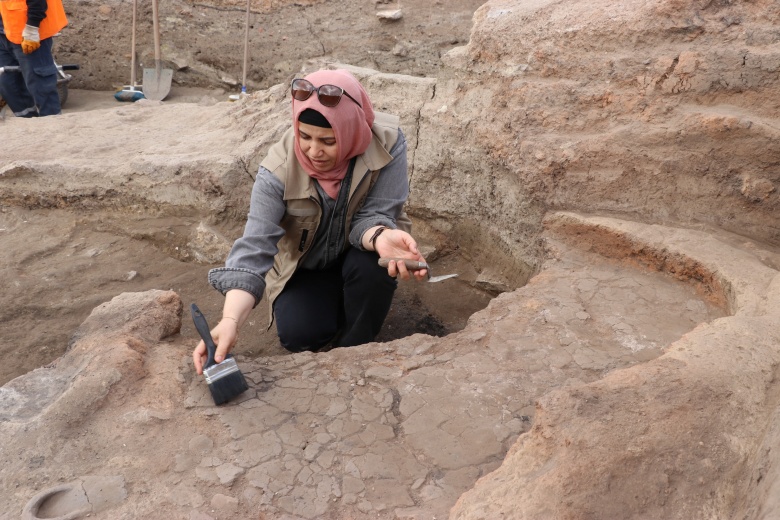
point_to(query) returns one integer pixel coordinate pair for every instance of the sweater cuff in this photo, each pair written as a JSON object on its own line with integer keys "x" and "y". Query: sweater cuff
{"x": 224, "y": 279}
{"x": 356, "y": 235}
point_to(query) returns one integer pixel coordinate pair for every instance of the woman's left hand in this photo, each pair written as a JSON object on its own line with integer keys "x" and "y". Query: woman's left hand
{"x": 394, "y": 243}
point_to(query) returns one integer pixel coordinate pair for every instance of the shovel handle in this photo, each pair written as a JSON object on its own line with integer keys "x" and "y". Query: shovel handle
{"x": 156, "y": 27}
{"x": 412, "y": 265}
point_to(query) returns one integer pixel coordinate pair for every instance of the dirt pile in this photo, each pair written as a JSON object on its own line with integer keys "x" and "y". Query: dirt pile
{"x": 203, "y": 42}
{"x": 644, "y": 442}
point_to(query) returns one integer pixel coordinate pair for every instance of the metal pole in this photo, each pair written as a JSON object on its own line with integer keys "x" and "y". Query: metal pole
{"x": 246, "y": 48}
{"x": 132, "y": 47}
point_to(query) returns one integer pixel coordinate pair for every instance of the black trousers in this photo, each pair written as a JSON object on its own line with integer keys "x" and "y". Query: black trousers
{"x": 342, "y": 306}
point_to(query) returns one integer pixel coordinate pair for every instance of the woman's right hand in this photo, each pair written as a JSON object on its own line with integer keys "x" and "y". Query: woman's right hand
{"x": 238, "y": 305}
{"x": 224, "y": 335}
{"x": 395, "y": 243}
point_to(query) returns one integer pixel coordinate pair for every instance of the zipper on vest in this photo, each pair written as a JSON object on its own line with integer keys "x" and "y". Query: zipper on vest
{"x": 303, "y": 239}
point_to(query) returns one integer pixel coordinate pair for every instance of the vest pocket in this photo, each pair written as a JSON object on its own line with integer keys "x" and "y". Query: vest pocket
{"x": 299, "y": 229}
{"x": 302, "y": 212}
{"x": 304, "y": 236}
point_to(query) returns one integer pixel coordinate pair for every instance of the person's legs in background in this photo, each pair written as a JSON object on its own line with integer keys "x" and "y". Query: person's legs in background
{"x": 40, "y": 76}
{"x": 12, "y": 86}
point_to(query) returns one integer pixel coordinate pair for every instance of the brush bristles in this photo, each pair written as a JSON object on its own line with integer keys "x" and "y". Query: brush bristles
{"x": 228, "y": 388}
{"x": 225, "y": 381}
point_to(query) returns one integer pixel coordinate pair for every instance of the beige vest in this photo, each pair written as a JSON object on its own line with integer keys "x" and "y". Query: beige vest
{"x": 303, "y": 213}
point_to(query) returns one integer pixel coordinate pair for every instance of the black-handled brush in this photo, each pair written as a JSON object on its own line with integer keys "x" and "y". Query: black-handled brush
{"x": 225, "y": 380}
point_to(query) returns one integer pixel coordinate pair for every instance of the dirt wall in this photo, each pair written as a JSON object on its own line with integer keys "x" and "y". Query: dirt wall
{"x": 203, "y": 42}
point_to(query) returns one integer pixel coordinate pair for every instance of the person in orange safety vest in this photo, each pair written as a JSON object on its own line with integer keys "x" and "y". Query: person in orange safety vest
{"x": 26, "y": 41}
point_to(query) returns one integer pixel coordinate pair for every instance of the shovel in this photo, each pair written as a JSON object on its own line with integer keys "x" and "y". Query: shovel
{"x": 157, "y": 81}
{"x": 414, "y": 265}
{"x": 131, "y": 92}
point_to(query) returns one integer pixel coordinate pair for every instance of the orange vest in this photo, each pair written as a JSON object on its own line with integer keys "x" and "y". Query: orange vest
{"x": 14, "y": 13}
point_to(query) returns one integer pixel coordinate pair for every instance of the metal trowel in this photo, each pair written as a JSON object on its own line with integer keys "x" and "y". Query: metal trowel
{"x": 414, "y": 265}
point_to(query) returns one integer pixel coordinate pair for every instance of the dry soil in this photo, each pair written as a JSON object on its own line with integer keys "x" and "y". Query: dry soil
{"x": 81, "y": 261}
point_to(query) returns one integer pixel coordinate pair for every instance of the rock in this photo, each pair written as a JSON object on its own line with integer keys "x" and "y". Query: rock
{"x": 229, "y": 80}
{"x": 227, "y": 473}
{"x": 757, "y": 190}
{"x": 492, "y": 281}
{"x": 224, "y": 504}
{"x": 201, "y": 444}
{"x": 390, "y": 14}
{"x": 208, "y": 245}
{"x": 400, "y": 49}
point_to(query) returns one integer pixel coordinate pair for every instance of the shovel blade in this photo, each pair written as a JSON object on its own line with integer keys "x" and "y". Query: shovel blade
{"x": 157, "y": 83}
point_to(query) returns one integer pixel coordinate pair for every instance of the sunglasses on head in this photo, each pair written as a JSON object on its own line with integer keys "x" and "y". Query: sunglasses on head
{"x": 328, "y": 95}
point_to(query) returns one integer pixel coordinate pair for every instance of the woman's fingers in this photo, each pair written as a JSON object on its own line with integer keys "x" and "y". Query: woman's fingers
{"x": 225, "y": 335}
{"x": 403, "y": 272}
{"x": 398, "y": 269}
{"x": 238, "y": 304}
{"x": 199, "y": 357}
{"x": 223, "y": 347}
{"x": 400, "y": 244}
{"x": 411, "y": 244}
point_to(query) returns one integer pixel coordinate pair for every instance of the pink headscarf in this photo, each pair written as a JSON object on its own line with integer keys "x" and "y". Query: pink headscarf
{"x": 351, "y": 125}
